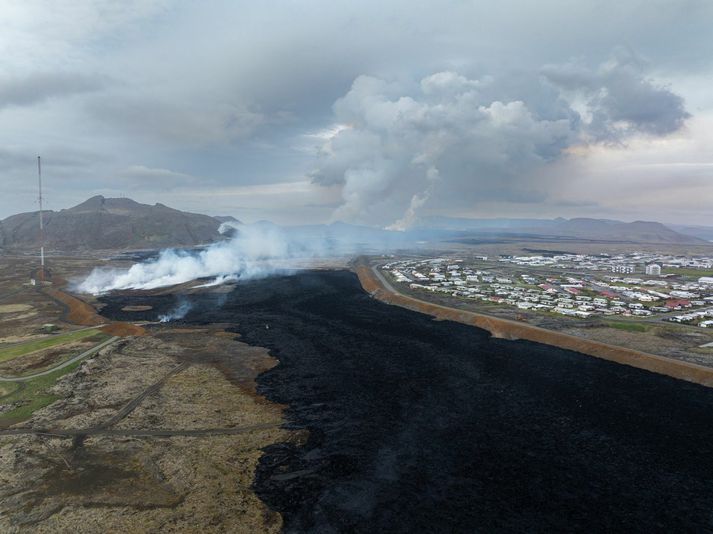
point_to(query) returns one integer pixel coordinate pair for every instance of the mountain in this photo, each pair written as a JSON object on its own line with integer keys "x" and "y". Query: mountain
{"x": 110, "y": 223}
{"x": 577, "y": 228}
{"x": 461, "y": 224}
{"x": 702, "y": 232}
{"x": 608, "y": 230}
{"x": 121, "y": 223}
{"x": 226, "y": 218}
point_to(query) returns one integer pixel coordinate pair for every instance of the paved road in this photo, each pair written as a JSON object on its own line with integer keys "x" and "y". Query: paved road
{"x": 62, "y": 365}
{"x": 383, "y": 279}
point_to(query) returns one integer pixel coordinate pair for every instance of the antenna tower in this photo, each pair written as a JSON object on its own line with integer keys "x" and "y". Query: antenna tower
{"x": 42, "y": 228}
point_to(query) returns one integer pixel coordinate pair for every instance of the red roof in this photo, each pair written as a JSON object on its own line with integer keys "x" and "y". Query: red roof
{"x": 674, "y": 303}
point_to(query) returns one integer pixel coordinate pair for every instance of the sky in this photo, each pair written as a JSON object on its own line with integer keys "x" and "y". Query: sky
{"x": 370, "y": 112}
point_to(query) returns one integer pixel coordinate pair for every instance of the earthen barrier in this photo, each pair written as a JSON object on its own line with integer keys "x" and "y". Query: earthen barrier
{"x": 508, "y": 329}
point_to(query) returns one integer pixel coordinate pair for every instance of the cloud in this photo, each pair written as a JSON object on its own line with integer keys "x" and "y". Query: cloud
{"x": 619, "y": 99}
{"x": 237, "y": 94}
{"x": 181, "y": 122}
{"x": 38, "y": 87}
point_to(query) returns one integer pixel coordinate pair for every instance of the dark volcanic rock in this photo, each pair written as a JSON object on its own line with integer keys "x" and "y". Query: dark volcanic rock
{"x": 430, "y": 426}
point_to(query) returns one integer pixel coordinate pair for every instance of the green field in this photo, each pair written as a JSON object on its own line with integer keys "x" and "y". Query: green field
{"x": 628, "y": 326}
{"x": 33, "y": 396}
{"x": 21, "y": 349}
{"x": 693, "y": 273}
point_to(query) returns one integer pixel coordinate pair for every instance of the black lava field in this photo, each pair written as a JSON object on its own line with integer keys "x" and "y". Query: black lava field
{"x": 417, "y": 425}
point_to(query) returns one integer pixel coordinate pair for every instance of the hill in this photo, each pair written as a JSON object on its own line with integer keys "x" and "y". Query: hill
{"x": 110, "y": 223}
{"x": 608, "y": 230}
{"x": 577, "y": 228}
{"x": 702, "y": 232}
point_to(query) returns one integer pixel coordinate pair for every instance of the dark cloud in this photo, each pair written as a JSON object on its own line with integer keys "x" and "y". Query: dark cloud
{"x": 620, "y": 98}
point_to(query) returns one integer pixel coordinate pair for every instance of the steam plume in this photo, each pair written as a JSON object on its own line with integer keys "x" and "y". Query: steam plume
{"x": 179, "y": 312}
{"x": 253, "y": 252}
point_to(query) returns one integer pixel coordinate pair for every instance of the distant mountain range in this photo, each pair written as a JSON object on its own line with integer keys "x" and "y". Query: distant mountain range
{"x": 702, "y": 232}
{"x": 578, "y": 228}
{"x": 110, "y": 223}
{"x": 121, "y": 223}
{"x": 635, "y": 232}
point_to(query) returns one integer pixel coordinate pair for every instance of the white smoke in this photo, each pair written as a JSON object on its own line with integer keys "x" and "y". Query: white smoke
{"x": 417, "y": 200}
{"x": 448, "y": 129}
{"x": 252, "y": 251}
{"x": 255, "y": 251}
{"x": 220, "y": 280}
{"x": 184, "y": 306}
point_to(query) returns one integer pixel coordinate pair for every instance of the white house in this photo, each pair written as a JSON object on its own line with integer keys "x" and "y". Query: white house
{"x": 653, "y": 269}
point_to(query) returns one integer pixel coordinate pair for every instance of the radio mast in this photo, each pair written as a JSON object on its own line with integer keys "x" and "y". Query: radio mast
{"x": 42, "y": 228}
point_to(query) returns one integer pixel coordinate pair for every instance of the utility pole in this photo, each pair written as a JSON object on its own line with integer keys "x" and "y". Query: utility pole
{"x": 42, "y": 228}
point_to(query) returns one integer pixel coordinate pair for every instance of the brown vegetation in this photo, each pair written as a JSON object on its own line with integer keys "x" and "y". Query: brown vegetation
{"x": 124, "y": 329}
{"x": 81, "y": 313}
{"x": 78, "y": 312}
{"x": 172, "y": 482}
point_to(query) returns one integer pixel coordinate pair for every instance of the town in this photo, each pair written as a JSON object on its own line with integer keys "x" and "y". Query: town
{"x": 645, "y": 285}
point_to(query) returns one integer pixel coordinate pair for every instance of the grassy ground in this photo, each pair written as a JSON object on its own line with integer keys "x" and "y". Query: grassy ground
{"x": 70, "y": 352}
{"x": 33, "y": 396}
{"x": 14, "y": 351}
{"x": 694, "y": 273}
{"x": 628, "y": 326}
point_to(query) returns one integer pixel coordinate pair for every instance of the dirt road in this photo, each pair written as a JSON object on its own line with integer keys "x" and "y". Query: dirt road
{"x": 64, "y": 364}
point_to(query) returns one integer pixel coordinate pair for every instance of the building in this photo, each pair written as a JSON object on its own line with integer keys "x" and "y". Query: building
{"x": 653, "y": 269}
{"x": 677, "y": 304}
{"x": 622, "y": 268}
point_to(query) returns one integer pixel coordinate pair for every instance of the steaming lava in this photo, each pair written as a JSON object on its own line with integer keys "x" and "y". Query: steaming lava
{"x": 422, "y": 425}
